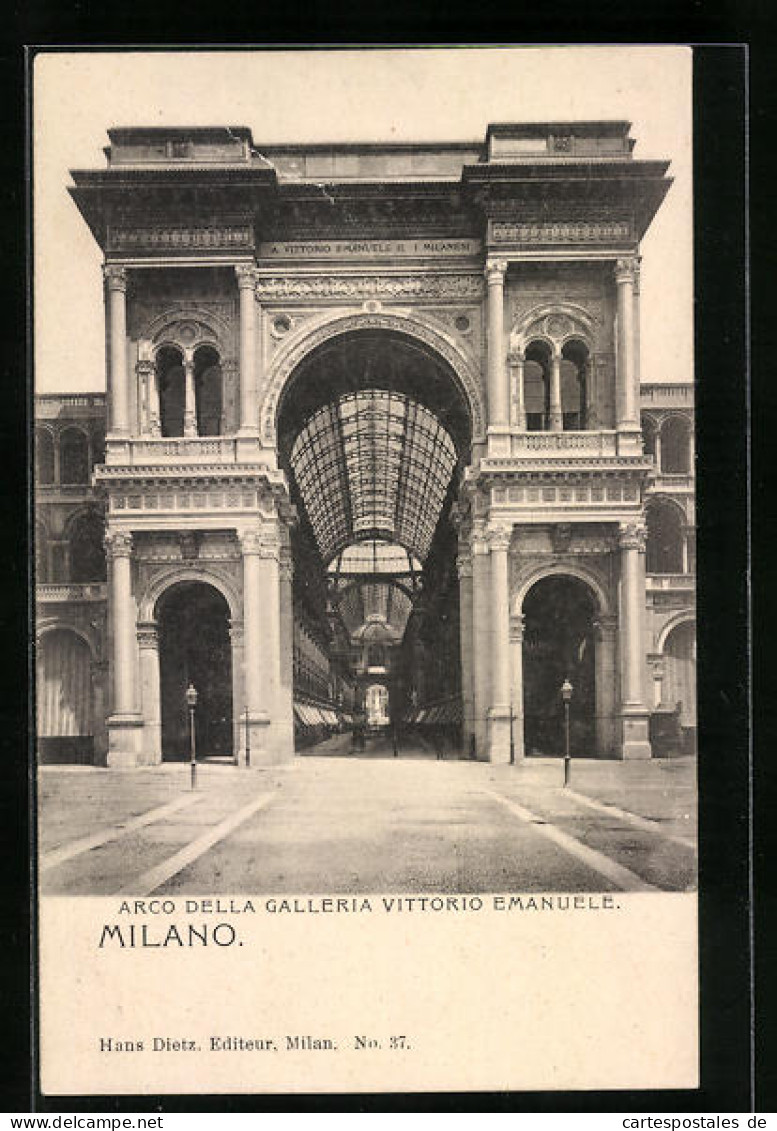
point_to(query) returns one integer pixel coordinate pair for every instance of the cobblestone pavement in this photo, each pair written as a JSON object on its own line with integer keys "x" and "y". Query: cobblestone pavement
{"x": 334, "y": 822}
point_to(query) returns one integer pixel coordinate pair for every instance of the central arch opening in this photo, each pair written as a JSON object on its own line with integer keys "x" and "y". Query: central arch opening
{"x": 374, "y": 432}
{"x": 558, "y": 644}
{"x": 195, "y": 647}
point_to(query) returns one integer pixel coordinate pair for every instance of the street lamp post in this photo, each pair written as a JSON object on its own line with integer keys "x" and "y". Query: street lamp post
{"x": 191, "y": 701}
{"x": 248, "y": 741}
{"x": 566, "y": 695}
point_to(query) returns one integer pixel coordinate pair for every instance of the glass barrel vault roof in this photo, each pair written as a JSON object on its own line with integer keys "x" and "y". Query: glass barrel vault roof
{"x": 374, "y": 464}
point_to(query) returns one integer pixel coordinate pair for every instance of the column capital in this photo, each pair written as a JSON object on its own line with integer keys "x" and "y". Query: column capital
{"x": 637, "y": 263}
{"x": 632, "y": 536}
{"x": 118, "y": 544}
{"x": 245, "y": 273}
{"x": 495, "y": 272}
{"x": 259, "y": 544}
{"x": 148, "y": 634}
{"x": 236, "y": 632}
{"x": 605, "y": 626}
{"x": 515, "y": 358}
{"x": 115, "y": 276}
{"x": 145, "y": 366}
{"x": 499, "y": 537}
{"x": 517, "y": 622}
{"x": 464, "y": 566}
{"x": 626, "y": 269}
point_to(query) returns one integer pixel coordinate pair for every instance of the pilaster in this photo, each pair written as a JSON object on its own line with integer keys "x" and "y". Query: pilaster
{"x": 499, "y": 707}
{"x": 516, "y": 691}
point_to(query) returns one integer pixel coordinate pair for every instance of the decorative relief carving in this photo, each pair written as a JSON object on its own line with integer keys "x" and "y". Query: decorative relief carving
{"x": 156, "y": 238}
{"x": 560, "y": 232}
{"x": 369, "y": 286}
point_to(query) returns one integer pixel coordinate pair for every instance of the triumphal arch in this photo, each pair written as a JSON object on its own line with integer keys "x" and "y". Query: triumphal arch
{"x": 373, "y": 436}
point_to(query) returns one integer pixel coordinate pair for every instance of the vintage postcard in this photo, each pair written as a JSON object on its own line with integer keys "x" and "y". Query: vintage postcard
{"x": 365, "y": 570}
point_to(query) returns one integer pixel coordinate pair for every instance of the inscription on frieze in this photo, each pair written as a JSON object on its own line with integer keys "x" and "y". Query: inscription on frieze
{"x": 370, "y": 249}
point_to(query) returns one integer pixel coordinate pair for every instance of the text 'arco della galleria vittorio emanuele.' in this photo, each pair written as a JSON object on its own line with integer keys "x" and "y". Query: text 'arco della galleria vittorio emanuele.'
{"x": 375, "y": 443}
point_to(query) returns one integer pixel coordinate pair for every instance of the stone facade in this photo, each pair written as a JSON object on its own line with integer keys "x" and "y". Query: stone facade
{"x": 224, "y": 272}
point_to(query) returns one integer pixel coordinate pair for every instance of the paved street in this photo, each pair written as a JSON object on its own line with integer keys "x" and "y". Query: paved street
{"x": 332, "y": 822}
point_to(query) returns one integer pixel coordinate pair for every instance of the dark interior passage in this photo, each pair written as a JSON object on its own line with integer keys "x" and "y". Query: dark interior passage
{"x": 558, "y": 644}
{"x": 194, "y": 647}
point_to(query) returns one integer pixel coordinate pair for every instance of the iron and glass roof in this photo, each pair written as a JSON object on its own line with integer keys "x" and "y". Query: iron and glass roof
{"x": 374, "y": 464}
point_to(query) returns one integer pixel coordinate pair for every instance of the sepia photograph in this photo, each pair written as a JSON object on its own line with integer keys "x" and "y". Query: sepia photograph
{"x": 364, "y": 536}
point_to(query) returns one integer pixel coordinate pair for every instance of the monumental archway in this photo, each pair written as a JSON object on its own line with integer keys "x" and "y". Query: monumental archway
{"x": 374, "y": 429}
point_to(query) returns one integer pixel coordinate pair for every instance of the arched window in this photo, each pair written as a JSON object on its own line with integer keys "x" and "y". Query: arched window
{"x": 207, "y": 385}
{"x": 170, "y": 375}
{"x": 44, "y": 456}
{"x": 87, "y": 554}
{"x": 675, "y": 446}
{"x": 664, "y": 551}
{"x": 73, "y": 456}
{"x": 649, "y": 436}
{"x": 536, "y": 386}
{"x": 574, "y": 377}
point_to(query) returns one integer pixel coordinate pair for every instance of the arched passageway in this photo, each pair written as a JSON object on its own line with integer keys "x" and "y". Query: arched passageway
{"x": 558, "y": 644}
{"x": 374, "y": 431}
{"x": 195, "y": 647}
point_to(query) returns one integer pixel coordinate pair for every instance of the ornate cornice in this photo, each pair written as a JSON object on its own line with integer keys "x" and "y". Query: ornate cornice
{"x": 370, "y": 286}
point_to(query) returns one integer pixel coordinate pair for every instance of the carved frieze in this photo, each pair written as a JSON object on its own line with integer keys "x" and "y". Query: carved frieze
{"x": 177, "y": 238}
{"x": 369, "y": 286}
{"x": 564, "y": 232}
